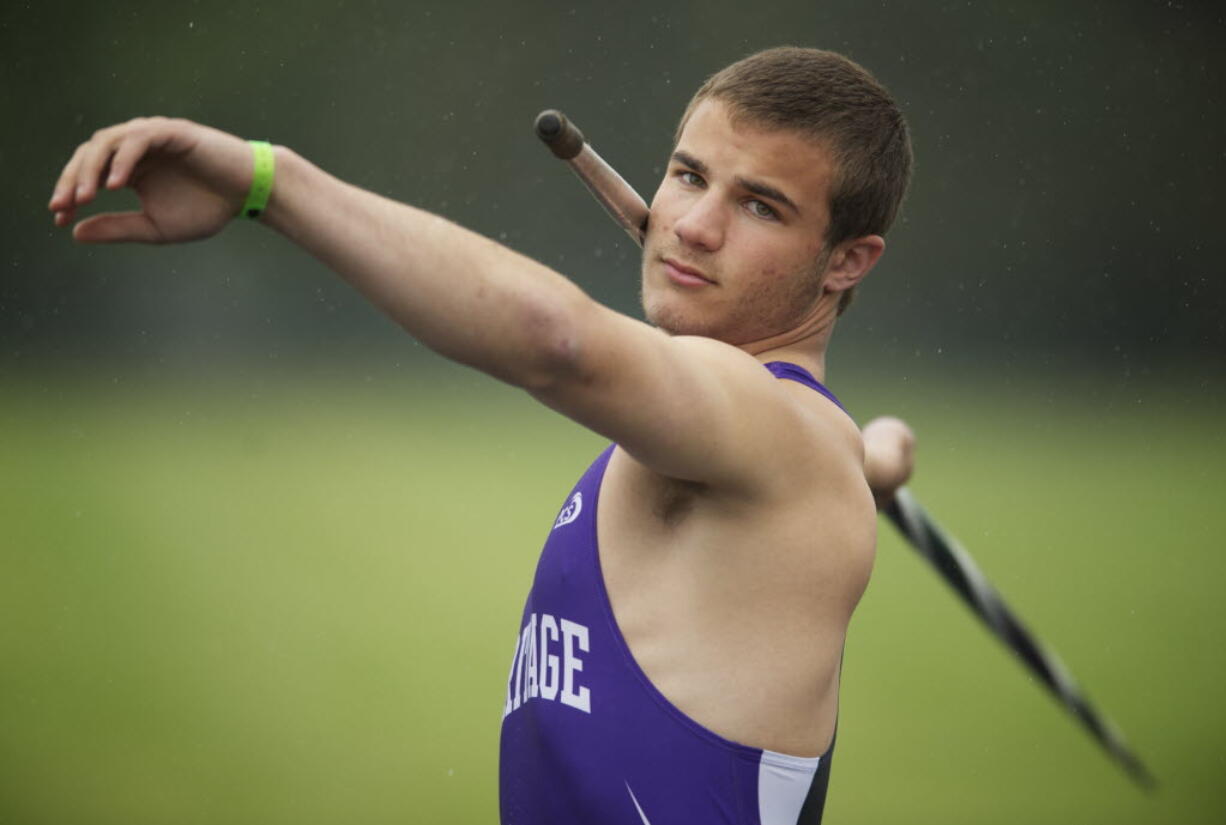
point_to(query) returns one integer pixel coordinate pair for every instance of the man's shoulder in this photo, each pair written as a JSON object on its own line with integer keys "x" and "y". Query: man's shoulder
{"x": 732, "y": 362}
{"x": 737, "y": 365}
{"x": 822, "y": 454}
{"x": 803, "y": 439}
{"x": 830, "y": 426}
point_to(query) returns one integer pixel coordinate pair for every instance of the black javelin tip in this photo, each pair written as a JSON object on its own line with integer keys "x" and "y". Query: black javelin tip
{"x": 559, "y": 134}
{"x": 548, "y": 125}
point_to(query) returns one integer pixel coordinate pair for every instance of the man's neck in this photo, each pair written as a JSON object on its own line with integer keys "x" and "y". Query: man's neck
{"x": 815, "y": 364}
{"x": 805, "y": 345}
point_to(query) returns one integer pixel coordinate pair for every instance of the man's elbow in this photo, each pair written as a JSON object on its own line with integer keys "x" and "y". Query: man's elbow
{"x": 554, "y": 346}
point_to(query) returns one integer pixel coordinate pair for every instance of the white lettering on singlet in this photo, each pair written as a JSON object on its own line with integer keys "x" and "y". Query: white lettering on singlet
{"x": 571, "y": 664}
{"x": 537, "y": 669}
{"x": 549, "y": 661}
{"x": 530, "y": 682}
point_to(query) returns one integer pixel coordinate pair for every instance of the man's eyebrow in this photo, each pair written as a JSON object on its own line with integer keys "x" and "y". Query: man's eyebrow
{"x": 768, "y": 192}
{"x": 758, "y": 188}
{"x": 686, "y": 159}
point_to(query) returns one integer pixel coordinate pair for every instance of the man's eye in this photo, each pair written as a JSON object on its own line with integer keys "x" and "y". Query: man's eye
{"x": 761, "y": 210}
{"x": 690, "y": 178}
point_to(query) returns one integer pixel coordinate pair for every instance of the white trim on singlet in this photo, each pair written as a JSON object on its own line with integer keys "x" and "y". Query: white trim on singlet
{"x": 637, "y": 806}
{"x": 783, "y": 784}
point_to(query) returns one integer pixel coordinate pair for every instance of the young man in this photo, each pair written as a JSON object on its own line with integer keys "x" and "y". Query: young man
{"x": 678, "y": 658}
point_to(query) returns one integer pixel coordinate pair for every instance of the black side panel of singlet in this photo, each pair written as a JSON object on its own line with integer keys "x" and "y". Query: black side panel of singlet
{"x": 815, "y": 799}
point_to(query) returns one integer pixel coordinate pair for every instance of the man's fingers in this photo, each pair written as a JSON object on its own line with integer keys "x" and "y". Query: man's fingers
{"x": 889, "y": 456}
{"x": 129, "y": 153}
{"x": 64, "y": 195}
{"x": 117, "y": 149}
{"x": 94, "y": 161}
{"x": 116, "y": 227}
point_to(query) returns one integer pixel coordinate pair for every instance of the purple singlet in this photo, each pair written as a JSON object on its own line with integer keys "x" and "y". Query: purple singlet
{"x": 588, "y": 740}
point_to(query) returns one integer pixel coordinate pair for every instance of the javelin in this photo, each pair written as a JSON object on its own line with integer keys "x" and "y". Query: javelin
{"x": 942, "y": 551}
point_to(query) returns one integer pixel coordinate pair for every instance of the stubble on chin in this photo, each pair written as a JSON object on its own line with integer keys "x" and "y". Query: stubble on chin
{"x": 653, "y": 310}
{"x": 667, "y": 321}
{"x": 657, "y": 315}
{"x": 664, "y": 314}
{"x": 766, "y": 313}
{"x": 675, "y": 320}
{"x": 662, "y": 306}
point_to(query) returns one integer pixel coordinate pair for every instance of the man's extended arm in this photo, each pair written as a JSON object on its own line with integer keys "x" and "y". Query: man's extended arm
{"x": 680, "y": 405}
{"x": 461, "y": 294}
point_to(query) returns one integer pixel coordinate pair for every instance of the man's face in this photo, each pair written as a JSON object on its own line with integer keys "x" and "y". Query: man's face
{"x": 735, "y": 248}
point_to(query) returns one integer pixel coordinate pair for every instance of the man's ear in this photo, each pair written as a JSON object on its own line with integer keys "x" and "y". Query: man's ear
{"x": 851, "y": 261}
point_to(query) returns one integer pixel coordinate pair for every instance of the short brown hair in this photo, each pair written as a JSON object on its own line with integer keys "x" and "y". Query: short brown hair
{"x": 831, "y": 99}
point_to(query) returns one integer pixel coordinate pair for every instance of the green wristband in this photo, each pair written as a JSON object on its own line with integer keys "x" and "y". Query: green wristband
{"x": 261, "y": 179}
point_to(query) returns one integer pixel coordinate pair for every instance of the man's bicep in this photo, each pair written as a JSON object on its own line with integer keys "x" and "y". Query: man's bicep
{"x": 683, "y": 406}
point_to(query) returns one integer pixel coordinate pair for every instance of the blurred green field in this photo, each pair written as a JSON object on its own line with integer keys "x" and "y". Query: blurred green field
{"x": 294, "y": 599}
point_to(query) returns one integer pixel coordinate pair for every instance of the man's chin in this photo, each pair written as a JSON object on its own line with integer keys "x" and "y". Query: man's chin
{"x": 667, "y": 319}
{"x": 660, "y": 316}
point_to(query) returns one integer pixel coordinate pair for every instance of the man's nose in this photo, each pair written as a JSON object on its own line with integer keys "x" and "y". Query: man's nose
{"x": 703, "y": 224}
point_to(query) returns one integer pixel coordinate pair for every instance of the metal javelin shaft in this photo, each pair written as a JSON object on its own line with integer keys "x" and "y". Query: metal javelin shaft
{"x": 960, "y": 571}
{"x": 943, "y": 552}
{"x": 617, "y": 197}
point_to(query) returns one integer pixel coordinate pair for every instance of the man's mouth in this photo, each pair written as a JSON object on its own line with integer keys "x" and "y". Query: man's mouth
{"x": 684, "y": 275}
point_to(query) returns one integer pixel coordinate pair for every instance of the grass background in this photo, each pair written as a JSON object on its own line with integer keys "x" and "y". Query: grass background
{"x": 292, "y": 598}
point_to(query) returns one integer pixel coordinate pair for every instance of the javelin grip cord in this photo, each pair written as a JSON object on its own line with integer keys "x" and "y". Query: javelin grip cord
{"x": 617, "y": 197}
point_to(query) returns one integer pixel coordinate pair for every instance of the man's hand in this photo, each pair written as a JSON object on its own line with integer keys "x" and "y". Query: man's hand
{"x": 889, "y": 457}
{"x": 191, "y": 180}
